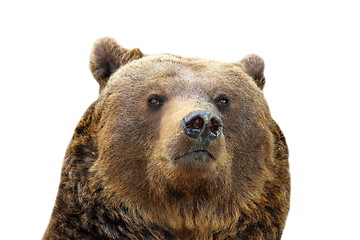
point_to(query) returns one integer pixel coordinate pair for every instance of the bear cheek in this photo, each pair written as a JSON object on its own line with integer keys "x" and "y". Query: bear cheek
{"x": 253, "y": 159}
{"x": 121, "y": 157}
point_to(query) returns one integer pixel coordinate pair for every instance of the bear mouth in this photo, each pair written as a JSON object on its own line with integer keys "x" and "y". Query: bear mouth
{"x": 195, "y": 162}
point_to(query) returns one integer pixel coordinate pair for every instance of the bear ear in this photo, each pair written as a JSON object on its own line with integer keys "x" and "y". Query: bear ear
{"x": 254, "y": 66}
{"x": 107, "y": 56}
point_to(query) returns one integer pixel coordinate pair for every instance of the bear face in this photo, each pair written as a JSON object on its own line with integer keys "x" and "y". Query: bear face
{"x": 184, "y": 145}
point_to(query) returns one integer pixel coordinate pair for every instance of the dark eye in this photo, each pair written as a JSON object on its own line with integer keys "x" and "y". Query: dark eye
{"x": 222, "y": 101}
{"x": 156, "y": 100}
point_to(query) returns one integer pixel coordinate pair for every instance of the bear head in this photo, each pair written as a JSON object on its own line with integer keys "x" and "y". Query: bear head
{"x": 184, "y": 143}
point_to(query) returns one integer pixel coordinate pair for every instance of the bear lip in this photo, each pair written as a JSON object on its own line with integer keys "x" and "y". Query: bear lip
{"x": 194, "y": 162}
{"x": 197, "y": 153}
{"x": 202, "y": 152}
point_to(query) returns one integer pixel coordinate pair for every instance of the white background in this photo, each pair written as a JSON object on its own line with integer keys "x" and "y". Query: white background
{"x": 311, "y": 51}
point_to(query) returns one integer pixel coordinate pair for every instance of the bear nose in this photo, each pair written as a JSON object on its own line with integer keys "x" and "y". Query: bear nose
{"x": 202, "y": 125}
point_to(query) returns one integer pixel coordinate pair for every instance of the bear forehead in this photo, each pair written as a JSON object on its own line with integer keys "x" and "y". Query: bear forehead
{"x": 155, "y": 68}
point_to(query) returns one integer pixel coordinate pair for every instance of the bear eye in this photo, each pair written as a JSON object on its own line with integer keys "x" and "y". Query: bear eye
{"x": 156, "y": 100}
{"x": 222, "y": 101}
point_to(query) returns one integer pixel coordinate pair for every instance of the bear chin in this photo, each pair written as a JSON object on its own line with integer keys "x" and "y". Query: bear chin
{"x": 196, "y": 162}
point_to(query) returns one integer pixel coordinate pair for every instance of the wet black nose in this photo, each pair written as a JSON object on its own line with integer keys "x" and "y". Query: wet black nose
{"x": 202, "y": 125}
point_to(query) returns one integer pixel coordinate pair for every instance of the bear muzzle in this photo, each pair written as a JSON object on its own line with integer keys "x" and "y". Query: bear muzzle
{"x": 201, "y": 129}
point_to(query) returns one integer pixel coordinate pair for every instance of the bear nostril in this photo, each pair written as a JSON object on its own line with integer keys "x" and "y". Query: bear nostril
{"x": 197, "y": 123}
{"x": 214, "y": 126}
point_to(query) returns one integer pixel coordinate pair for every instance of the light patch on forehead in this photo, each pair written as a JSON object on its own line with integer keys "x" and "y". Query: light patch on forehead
{"x": 186, "y": 74}
{"x": 183, "y": 76}
{"x": 194, "y": 83}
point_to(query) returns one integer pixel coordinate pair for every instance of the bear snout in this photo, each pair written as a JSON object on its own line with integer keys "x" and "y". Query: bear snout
{"x": 203, "y": 126}
{"x": 199, "y": 148}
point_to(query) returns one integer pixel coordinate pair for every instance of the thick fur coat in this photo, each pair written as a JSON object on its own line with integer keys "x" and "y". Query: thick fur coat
{"x": 173, "y": 148}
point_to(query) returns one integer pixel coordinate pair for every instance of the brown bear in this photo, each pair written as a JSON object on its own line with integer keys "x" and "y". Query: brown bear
{"x": 173, "y": 148}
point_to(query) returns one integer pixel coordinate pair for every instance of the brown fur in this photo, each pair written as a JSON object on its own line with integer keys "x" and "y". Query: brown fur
{"x": 120, "y": 179}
